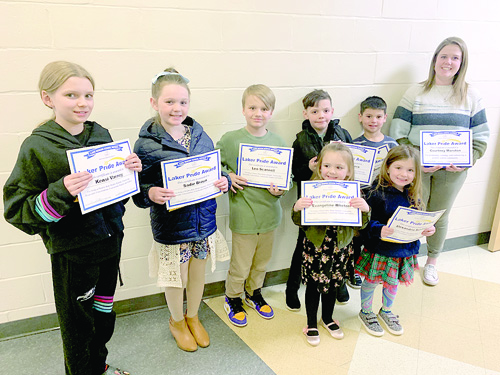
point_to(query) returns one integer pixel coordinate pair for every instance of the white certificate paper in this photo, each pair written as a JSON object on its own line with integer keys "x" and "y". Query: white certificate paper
{"x": 192, "y": 179}
{"x": 111, "y": 181}
{"x": 408, "y": 224}
{"x": 261, "y": 165}
{"x": 445, "y": 147}
{"x": 331, "y": 203}
{"x": 364, "y": 162}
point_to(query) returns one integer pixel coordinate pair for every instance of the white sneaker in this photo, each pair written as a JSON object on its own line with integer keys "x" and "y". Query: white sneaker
{"x": 431, "y": 275}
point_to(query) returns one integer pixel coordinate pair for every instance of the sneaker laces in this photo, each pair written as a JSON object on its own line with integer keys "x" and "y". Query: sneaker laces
{"x": 236, "y": 305}
{"x": 257, "y": 298}
{"x": 430, "y": 272}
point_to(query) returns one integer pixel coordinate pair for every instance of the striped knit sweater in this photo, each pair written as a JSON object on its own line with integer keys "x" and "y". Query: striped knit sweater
{"x": 434, "y": 111}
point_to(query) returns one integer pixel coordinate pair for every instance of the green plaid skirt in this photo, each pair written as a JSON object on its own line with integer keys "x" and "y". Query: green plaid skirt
{"x": 386, "y": 270}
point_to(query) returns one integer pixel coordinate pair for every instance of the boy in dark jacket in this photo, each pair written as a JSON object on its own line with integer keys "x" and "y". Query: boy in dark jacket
{"x": 318, "y": 129}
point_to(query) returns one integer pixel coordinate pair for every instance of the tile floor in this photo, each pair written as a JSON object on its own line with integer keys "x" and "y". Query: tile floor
{"x": 453, "y": 328}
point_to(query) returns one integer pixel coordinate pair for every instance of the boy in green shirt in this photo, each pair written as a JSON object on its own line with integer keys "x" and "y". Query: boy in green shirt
{"x": 254, "y": 213}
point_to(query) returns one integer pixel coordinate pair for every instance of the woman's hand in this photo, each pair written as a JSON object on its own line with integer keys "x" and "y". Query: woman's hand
{"x": 160, "y": 195}
{"x": 359, "y": 203}
{"x": 75, "y": 183}
{"x": 133, "y": 163}
{"x": 452, "y": 168}
{"x": 222, "y": 184}
{"x": 431, "y": 169}
{"x": 302, "y": 203}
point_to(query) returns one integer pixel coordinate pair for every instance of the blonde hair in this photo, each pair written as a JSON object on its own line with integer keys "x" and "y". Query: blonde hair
{"x": 404, "y": 152}
{"x": 340, "y": 148}
{"x": 56, "y": 73}
{"x": 459, "y": 85}
{"x": 262, "y": 92}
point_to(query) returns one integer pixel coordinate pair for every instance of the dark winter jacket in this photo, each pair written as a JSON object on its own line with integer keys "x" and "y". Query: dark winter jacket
{"x": 185, "y": 224}
{"x": 308, "y": 144}
{"x": 41, "y": 166}
{"x": 384, "y": 202}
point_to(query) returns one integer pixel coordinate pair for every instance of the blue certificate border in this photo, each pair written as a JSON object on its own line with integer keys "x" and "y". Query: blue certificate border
{"x": 306, "y": 184}
{"x": 186, "y": 161}
{"x": 410, "y": 212}
{"x": 271, "y": 148}
{"x": 364, "y": 149}
{"x": 87, "y": 208}
{"x": 468, "y": 131}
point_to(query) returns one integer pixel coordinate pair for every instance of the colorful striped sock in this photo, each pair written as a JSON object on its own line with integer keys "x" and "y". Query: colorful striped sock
{"x": 388, "y": 297}
{"x": 103, "y": 303}
{"x": 367, "y": 291}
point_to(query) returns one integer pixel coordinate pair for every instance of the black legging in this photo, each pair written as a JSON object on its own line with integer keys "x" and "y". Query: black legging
{"x": 312, "y": 304}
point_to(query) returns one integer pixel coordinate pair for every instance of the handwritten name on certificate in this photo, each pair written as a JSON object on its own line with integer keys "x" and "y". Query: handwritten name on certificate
{"x": 408, "y": 224}
{"x": 331, "y": 203}
{"x": 445, "y": 147}
{"x": 111, "y": 181}
{"x": 261, "y": 165}
{"x": 364, "y": 162}
{"x": 192, "y": 179}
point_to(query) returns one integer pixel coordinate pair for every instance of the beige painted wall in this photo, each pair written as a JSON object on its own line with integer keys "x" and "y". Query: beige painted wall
{"x": 350, "y": 48}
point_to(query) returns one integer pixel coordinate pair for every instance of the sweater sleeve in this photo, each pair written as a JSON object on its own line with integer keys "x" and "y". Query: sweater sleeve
{"x": 478, "y": 125}
{"x": 30, "y": 202}
{"x": 403, "y": 117}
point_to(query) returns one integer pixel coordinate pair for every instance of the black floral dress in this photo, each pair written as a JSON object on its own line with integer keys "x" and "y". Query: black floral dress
{"x": 327, "y": 265}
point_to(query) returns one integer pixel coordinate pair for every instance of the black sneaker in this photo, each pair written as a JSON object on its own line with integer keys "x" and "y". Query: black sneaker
{"x": 342, "y": 295}
{"x": 292, "y": 301}
{"x": 259, "y": 304}
{"x": 235, "y": 311}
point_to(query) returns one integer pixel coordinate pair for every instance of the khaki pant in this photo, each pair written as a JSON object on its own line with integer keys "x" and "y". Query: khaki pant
{"x": 439, "y": 192}
{"x": 251, "y": 253}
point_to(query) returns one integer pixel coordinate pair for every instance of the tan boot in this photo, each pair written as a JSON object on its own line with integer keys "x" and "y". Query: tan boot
{"x": 182, "y": 335}
{"x": 199, "y": 333}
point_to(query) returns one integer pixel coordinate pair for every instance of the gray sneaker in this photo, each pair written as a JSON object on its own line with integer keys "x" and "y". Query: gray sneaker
{"x": 370, "y": 322}
{"x": 391, "y": 322}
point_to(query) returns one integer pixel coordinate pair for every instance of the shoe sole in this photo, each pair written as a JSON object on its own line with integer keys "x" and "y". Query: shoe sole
{"x": 430, "y": 283}
{"x": 342, "y": 302}
{"x": 337, "y": 335}
{"x": 373, "y": 333}
{"x": 294, "y": 309}
{"x": 353, "y": 286}
{"x": 227, "y": 309}
{"x": 252, "y": 305}
{"x": 386, "y": 326}
{"x": 313, "y": 343}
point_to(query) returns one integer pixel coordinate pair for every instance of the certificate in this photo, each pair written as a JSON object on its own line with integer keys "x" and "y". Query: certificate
{"x": 192, "y": 179}
{"x": 111, "y": 181}
{"x": 408, "y": 224}
{"x": 261, "y": 165}
{"x": 381, "y": 154}
{"x": 364, "y": 162}
{"x": 445, "y": 147}
{"x": 331, "y": 203}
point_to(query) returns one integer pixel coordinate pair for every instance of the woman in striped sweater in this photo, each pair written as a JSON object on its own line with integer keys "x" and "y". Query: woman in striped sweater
{"x": 442, "y": 102}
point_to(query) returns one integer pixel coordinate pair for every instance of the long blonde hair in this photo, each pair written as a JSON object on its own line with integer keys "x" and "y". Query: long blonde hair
{"x": 335, "y": 147}
{"x": 56, "y": 73}
{"x": 459, "y": 85}
{"x": 404, "y": 152}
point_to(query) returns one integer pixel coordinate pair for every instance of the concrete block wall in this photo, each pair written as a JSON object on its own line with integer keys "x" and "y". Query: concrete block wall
{"x": 353, "y": 49}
